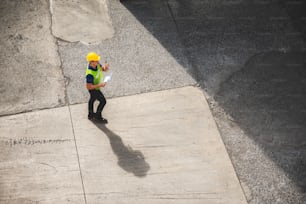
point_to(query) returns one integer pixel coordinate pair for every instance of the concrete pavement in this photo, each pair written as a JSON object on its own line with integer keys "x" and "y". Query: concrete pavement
{"x": 81, "y": 21}
{"x": 38, "y": 162}
{"x": 249, "y": 57}
{"x": 159, "y": 147}
{"x": 155, "y": 45}
{"x": 31, "y": 76}
{"x": 139, "y": 62}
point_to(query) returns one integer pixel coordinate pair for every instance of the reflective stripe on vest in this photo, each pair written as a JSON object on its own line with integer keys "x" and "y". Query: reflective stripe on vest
{"x": 97, "y": 75}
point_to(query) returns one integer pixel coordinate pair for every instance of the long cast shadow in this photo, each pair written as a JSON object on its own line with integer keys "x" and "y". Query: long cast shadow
{"x": 130, "y": 160}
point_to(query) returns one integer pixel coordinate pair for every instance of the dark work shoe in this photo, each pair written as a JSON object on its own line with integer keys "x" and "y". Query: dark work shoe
{"x": 90, "y": 117}
{"x": 98, "y": 118}
{"x": 102, "y": 120}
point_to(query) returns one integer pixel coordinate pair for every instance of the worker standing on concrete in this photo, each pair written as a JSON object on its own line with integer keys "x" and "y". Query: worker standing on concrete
{"x": 94, "y": 75}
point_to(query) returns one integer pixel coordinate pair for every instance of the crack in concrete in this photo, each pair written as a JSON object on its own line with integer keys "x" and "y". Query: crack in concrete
{"x": 58, "y": 52}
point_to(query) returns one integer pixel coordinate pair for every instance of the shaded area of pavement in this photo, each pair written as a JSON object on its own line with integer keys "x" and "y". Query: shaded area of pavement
{"x": 218, "y": 37}
{"x": 296, "y": 12}
{"x": 267, "y": 99}
{"x": 59, "y": 156}
{"x": 221, "y": 39}
{"x": 31, "y": 77}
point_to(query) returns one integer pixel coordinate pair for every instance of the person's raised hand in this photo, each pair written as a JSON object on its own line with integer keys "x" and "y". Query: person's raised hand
{"x": 105, "y": 67}
{"x": 102, "y": 84}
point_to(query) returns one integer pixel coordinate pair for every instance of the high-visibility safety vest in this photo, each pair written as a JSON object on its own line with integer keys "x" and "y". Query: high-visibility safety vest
{"x": 97, "y": 75}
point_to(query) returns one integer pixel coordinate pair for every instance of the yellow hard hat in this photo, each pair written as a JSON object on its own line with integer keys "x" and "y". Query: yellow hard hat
{"x": 92, "y": 56}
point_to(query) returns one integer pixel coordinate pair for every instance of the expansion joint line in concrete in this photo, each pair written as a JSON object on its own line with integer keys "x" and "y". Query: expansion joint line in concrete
{"x": 172, "y": 15}
{"x": 66, "y": 99}
{"x": 50, "y": 2}
{"x": 76, "y": 149}
{"x": 196, "y": 73}
{"x": 177, "y": 29}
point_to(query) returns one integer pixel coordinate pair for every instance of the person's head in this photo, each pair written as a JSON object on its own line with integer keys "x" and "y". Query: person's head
{"x": 93, "y": 59}
{"x": 94, "y": 64}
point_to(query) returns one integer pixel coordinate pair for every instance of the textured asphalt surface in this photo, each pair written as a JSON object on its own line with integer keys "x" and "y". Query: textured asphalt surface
{"x": 139, "y": 62}
{"x": 248, "y": 57}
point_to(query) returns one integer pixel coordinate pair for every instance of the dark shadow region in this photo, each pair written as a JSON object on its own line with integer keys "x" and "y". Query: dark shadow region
{"x": 249, "y": 56}
{"x": 267, "y": 99}
{"x": 130, "y": 160}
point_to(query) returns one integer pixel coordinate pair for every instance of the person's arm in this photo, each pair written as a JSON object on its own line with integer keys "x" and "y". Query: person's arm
{"x": 90, "y": 83}
{"x": 91, "y": 86}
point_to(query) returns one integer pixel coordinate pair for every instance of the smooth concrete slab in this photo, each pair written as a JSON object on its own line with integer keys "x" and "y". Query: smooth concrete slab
{"x": 81, "y": 20}
{"x": 31, "y": 77}
{"x": 38, "y": 159}
{"x": 159, "y": 147}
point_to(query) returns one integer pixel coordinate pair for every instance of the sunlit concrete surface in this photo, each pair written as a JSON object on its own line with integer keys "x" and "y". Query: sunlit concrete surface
{"x": 158, "y": 147}
{"x": 38, "y": 159}
{"x": 81, "y": 20}
{"x": 139, "y": 62}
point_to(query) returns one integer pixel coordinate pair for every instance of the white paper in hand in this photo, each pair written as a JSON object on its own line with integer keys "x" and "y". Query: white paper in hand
{"x": 108, "y": 77}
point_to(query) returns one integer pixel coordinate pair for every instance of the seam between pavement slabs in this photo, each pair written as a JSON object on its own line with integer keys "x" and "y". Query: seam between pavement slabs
{"x": 205, "y": 98}
{"x": 172, "y": 15}
{"x": 217, "y": 126}
{"x": 76, "y": 148}
{"x": 192, "y": 71}
{"x": 66, "y": 98}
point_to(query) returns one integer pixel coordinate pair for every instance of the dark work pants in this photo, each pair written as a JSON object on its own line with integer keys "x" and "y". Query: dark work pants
{"x": 96, "y": 95}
